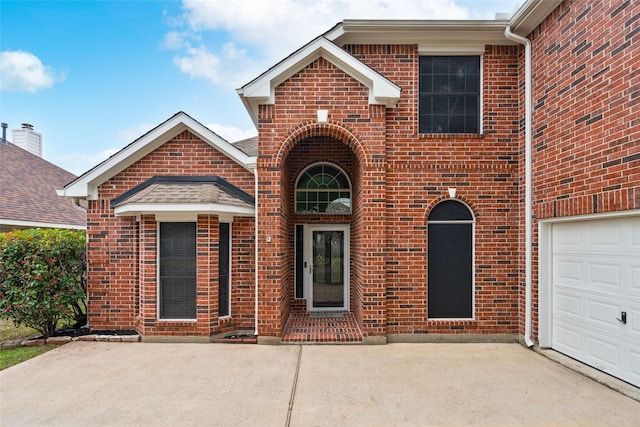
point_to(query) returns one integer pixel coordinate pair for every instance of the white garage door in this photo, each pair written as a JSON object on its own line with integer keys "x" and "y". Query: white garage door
{"x": 596, "y": 281}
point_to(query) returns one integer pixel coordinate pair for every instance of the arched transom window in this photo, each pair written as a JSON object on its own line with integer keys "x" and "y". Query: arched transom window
{"x": 323, "y": 188}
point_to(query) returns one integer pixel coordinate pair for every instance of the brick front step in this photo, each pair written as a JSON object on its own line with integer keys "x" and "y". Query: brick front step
{"x": 321, "y": 328}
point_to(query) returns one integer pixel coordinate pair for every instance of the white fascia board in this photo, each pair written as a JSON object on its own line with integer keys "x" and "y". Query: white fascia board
{"x": 450, "y": 32}
{"x": 136, "y": 209}
{"x": 262, "y": 90}
{"x": 86, "y": 186}
{"x": 38, "y": 224}
{"x": 531, "y": 14}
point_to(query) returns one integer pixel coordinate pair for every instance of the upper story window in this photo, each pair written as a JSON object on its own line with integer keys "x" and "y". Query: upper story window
{"x": 449, "y": 98}
{"x": 323, "y": 188}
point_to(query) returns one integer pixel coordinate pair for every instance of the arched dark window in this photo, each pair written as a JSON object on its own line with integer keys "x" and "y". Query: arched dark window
{"x": 450, "y": 261}
{"x": 323, "y": 188}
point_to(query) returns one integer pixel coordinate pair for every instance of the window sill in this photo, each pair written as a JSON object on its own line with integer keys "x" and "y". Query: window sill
{"x": 453, "y": 135}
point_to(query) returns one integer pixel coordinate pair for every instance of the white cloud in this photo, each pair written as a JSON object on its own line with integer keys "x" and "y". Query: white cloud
{"x": 134, "y": 132}
{"x": 259, "y": 33}
{"x": 79, "y": 163}
{"x": 232, "y": 133}
{"x": 278, "y": 27}
{"x": 24, "y": 72}
{"x": 199, "y": 62}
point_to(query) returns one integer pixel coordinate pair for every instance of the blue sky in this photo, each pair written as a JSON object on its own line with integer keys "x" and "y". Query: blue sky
{"x": 92, "y": 76}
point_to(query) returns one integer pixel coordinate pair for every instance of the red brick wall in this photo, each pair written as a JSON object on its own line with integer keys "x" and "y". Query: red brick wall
{"x": 122, "y": 254}
{"x": 398, "y": 176}
{"x": 586, "y": 96}
{"x": 586, "y": 111}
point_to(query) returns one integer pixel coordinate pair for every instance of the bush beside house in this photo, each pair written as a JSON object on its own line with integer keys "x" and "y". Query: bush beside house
{"x": 43, "y": 277}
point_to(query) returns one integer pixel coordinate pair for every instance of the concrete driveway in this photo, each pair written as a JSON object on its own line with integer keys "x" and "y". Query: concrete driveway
{"x": 140, "y": 384}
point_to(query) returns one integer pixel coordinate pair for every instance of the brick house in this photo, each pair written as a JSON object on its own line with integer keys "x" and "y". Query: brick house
{"x": 411, "y": 181}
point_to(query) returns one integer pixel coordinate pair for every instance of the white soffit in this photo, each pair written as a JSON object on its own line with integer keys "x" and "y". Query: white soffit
{"x": 262, "y": 90}
{"x": 420, "y": 32}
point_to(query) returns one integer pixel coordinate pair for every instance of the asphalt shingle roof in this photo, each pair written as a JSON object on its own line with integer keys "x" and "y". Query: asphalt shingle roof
{"x": 28, "y": 187}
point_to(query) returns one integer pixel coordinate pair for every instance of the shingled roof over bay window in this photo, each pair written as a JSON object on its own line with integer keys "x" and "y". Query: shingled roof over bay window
{"x": 184, "y": 195}
{"x": 261, "y": 90}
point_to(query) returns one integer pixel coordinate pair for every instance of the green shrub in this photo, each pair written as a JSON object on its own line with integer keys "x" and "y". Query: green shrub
{"x": 43, "y": 277}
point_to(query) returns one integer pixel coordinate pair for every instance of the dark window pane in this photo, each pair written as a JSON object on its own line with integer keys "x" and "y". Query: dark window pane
{"x": 450, "y": 210}
{"x": 177, "y": 265}
{"x": 450, "y": 287}
{"x": 299, "y": 261}
{"x": 449, "y": 94}
{"x": 223, "y": 269}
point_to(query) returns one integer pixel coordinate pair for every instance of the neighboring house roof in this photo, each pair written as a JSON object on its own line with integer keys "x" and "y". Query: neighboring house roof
{"x": 248, "y": 146}
{"x": 28, "y": 195}
{"x": 261, "y": 90}
{"x": 184, "y": 194}
{"x": 86, "y": 186}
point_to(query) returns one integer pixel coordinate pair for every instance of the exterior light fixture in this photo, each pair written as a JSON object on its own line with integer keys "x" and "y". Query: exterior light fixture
{"x": 323, "y": 116}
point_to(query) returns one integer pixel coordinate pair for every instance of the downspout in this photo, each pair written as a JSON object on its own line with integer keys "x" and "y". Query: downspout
{"x": 255, "y": 313}
{"x": 75, "y": 202}
{"x": 528, "y": 184}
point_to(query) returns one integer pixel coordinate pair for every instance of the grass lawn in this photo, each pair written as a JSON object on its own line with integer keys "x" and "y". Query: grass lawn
{"x": 14, "y": 356}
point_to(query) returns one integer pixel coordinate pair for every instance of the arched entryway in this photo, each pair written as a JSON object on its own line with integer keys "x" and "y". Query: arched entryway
{"x": 322, "y": 176}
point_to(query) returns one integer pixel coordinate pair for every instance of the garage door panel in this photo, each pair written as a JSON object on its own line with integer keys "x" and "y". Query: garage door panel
{"x": 567, "y": 340}
{"x": 635, "y": 362}
{"x": 619, "y": 275}
{"x": 604, "y": 313}
{"x": 633, "y": 320}
{"x": 635, "y": 235}
{"x": 635, "y": 278}
{"x": 596, "y": 276}
{"x": 568, "y": 271}
{"x": 605, "y": 274}
{"x": 567, "y": 304}
{"x": 604, "y": 353}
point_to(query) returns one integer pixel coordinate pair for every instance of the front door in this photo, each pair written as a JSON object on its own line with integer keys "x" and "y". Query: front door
{"x": 328, "y": 275}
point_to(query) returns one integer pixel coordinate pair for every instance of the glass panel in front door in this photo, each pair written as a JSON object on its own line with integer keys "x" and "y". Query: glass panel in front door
{"x": 328, "y": 269}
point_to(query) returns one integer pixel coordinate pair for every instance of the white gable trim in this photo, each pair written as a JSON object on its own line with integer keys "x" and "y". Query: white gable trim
{"x": 86, "y": 186}
{"x": 262, "y": 90}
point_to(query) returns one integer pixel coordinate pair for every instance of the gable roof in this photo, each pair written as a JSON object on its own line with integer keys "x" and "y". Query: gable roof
{"x": 28, "y": 195}
{"x": 262, "y": 89}
{"x": 248, "y": 146}
{"x": 86, "y": 186}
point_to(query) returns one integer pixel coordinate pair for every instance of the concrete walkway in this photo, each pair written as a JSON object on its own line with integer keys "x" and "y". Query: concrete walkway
{"x": 144, "y": 384}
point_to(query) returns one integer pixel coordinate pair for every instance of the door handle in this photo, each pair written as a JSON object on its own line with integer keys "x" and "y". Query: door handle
{"x": 623, "y": 319}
